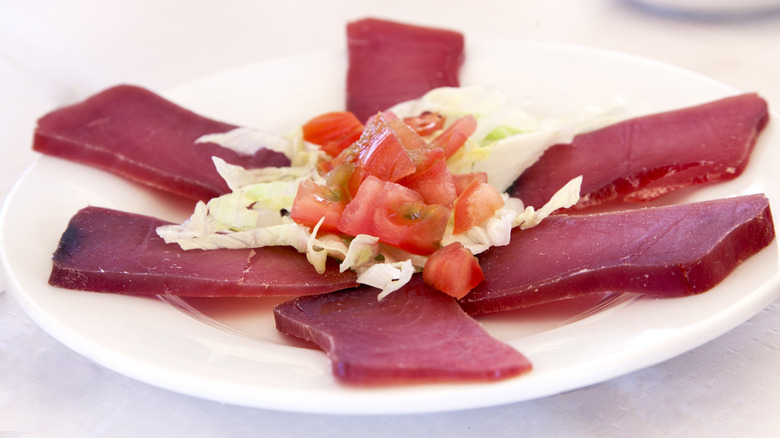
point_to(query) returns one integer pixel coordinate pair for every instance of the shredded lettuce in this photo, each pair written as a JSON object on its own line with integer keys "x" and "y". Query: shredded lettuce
{"x": 388, "y": 277}
{"x": 247, "y": 141}
{"x": 565, "y": 197}
{"x": 303, "y": 156}
{"x": 237, "y": 177}
{"x": 318, "y": 250}
{"x": 497, "y": 230}
{"x": 453, "y": 102}
{"x": 189, "y": 237}
{"x": 363, "y": 251}
{"x": 246, "y": 218}
{"x": 507, "y": 158}
{"x": 507, "y": 140}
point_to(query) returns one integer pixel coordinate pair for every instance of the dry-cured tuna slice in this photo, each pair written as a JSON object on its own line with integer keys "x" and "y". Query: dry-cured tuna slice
{"x": 664, "y": 252}
{"x": 139, "y": 135}
{"x": 415, "y": 334}
{"x": 106, "y": 250}
{"x": 643, "y": 158}
{"x": 392, "y": 62}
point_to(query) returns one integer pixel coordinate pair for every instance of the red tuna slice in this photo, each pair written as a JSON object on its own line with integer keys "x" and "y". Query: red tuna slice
{"x": 139, "y": 135}
{"x": 662, "y": 252}
{"x": 415, "y": 334}
{"x": 392, "y": 62}
{"x": 106, "y": 250}
{"x": 643, "y": 158}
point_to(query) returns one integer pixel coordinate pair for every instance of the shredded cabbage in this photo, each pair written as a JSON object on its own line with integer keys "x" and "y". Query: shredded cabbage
{"x": 237, "y": 177}
{"x": 249, "y": 217}
{"x": 565, "y": 197}
{"x": 497, "y": 230}
{"x": 247, "y": 141}
{"x": 363, "y": 251}
{"x": 318, "y": 250}
{"x": 388, "y": 277}
{"x": 507, "y": 140}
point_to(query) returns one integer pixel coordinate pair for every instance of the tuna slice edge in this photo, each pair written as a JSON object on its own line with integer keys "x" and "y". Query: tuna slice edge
{"x": 106, "y": 250}
{"x": 391, "y": 62}
{"x": 640, "y": 159}
{"x": 415, "y": 334}
{"x": 139, "y": 135}
{"x": 663, "y": 252}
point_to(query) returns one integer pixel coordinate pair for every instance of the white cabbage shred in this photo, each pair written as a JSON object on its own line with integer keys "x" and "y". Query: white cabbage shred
{"x": 389, "y": 277}
{"x": 247, "y": 141}
{"x": 508, "y": 140}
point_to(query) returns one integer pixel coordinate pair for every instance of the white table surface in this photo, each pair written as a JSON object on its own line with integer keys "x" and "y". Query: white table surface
{"x": 56, "y": 52}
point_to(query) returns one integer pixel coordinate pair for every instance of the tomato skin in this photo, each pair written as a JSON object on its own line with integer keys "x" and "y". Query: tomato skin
{"x": 435, "y": 184}
{"x": 475, "y": 205}
{"x": 426, "y": 123}
{"x": 313, "y": 202}
{"x": 381, "y": 153}
{"x": 397, "y": 215}
{"x": 345, "y": 177}
{"x": 455, "y": 135}
{"x": 463, "y": 180}
{"x": 453, "y": 270}
{"x": 391, "y": 183}
{"x": 408, "y": 137}
{"x": 423, "y": 158}
{"x": 333, "y": 131}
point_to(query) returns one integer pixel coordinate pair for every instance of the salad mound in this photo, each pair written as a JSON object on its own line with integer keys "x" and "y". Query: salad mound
{"x": 391, "y": 198}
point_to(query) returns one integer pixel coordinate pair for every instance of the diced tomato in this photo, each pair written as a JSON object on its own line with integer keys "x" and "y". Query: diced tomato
{"x": 408, "y": 137}
{"x": 423, "y": 158}
{"x": 314, "y": 201}
{"x": 333, "y": 131}
{"x": 455, "y": 135}
{"x": 380, "y": 152}
{"x": 348, "y": 155}
{"x": 453, "y": 270}
{"x": 330, "y": 126}
{"x": 341, "y": 177}
{"x": 396, "y": 215}
{"x": 475, "y": 205}
{"x": 463, "y": 180}
{"x": 324, "y": 166}
{"x": 426, "y": 123}
{"x": 435, "y": 184}
{"x": 388, "y": 115}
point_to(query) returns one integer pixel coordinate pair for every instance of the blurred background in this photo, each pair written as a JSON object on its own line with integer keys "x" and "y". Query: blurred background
{"x": 57, "y": 52}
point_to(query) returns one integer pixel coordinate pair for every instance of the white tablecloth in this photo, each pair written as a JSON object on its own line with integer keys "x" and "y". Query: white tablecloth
{"x": 57, "y": 52}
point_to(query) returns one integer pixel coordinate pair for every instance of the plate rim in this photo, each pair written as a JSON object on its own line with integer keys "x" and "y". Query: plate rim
{"x": 350, "y": 404}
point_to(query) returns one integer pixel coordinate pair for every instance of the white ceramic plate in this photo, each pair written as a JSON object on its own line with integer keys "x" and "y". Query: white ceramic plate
{"x": 229, "y": 351}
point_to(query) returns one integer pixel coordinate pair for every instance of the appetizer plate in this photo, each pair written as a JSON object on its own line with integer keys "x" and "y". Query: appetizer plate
{"x": 228, "y": 350}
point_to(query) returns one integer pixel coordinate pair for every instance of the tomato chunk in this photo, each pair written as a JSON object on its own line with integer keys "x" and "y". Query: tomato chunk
{"x": 453, "y": 270}
{"x": 463, "y": 180}
{"x": 333, "y": 132}
{"x": 455, "y": 135}
{"x": 381, "y": 153}
{"x": 314, "y": 201}
{"x": 345, "y": 177}
{"x": 408, "y": 137}
{"x": 396, "y": 215}
{"x": 426, "y": 123}
{"x": 435, "y": 184}
{"x": 475, "y": 205}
